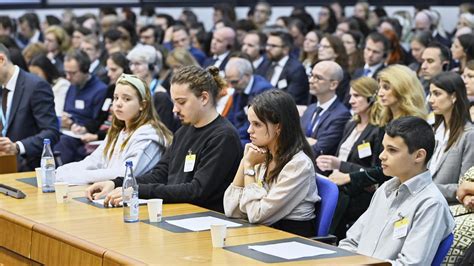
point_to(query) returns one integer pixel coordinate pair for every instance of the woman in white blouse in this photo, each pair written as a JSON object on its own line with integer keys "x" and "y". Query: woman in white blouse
{"x": 454, "y": 133}
{"x": 275, "y": 183}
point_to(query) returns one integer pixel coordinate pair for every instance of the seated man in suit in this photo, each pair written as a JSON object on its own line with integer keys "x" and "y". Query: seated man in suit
{"x": 91, "y": 46}
{"x": 27, "y": 113}
{"x": 375, "y": 52}
{"x": 408, "y": 216}
{"x": 205, "y": 153}
{"x": 324, "y": 121}
{"x": 285, "y": 72}
{"x": 83, "y": 103}
{"x": 239, "y": 75}
{"x": 181, "y": 38}
{"x": 253, "y": 45}
{"x": 222, "y": 43}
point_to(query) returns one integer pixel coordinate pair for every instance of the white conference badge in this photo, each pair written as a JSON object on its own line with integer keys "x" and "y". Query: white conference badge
{"x": 282, "y": 84}
{"x": 364, "y": 150}
{"x": 79, "y": 104}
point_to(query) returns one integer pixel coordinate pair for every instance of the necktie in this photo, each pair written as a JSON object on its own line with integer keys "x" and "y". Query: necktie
{"x": 314, "y": 120}
{"x": 366, "y": 72}
{"x": 4, "y": 105}
{"x": 271, "y": 71}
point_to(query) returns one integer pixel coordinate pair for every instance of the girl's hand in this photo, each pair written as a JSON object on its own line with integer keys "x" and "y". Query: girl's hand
{"x": 254, "y": 155}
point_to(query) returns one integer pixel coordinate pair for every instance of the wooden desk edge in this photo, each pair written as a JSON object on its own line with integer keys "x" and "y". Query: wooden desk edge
{"x": 70, "y": 240}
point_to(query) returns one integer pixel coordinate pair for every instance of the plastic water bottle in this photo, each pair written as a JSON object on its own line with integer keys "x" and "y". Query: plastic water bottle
{"x": 130, "y": 195}
{"x": 48, "y": 167}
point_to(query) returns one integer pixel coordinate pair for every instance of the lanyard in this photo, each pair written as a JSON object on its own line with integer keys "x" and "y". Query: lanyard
{"x": 154, "y": 83}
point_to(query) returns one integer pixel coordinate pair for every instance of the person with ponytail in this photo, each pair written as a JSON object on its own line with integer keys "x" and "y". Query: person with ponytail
{"x": 136, "y": 135}
{"x": 204, "y": 155}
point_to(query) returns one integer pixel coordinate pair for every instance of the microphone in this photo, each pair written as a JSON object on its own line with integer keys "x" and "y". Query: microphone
{"x": 13, "y": 192}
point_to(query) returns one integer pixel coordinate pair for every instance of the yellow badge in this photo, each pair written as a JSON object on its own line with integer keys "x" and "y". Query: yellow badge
{"x": 189, "y": 163}
{"x": 431, "y": 118}
{"x": 401, "y": 222}
{"x": 364, "y": 150}
{"x": 400, "y": 228}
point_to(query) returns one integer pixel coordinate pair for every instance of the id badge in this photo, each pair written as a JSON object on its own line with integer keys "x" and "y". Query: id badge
{"x": 106, "y": 105}
{"x": 431, "y": 118}
{"x": 79, "y": 104}
{"x": 400, "y": 228}
{"x": 364, "y": 150}
{"x": 282, "y": 84}
{"x": 189, "y": 163}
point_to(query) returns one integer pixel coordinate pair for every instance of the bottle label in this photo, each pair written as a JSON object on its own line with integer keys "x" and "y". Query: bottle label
{"x": 134, "y": 207}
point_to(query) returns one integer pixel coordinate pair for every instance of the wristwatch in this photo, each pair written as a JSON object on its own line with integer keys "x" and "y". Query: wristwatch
{"x": 249, "y": 172}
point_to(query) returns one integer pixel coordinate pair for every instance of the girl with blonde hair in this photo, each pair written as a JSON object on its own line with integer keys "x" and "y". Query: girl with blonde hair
{"x": 136, "y": 135}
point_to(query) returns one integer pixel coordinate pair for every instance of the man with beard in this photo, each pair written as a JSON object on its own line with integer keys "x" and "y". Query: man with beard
{"x": 285, "y": 72}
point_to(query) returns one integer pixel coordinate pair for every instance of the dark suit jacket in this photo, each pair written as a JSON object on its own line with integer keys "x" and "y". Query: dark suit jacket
{"x": 240, "y": 100}
{"x": 371, "y": 134}
{"x": 296, "y": 79}
{"x": 263, "y": 67}
{"x": 210, "y": 61}
{"x": 360, "y": 72}
{"x": 32, "y": 118}
{"x": 330, "y": 127}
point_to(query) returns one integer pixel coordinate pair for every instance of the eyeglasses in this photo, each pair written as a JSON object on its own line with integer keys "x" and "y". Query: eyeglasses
{"x": 269, "y": 45}
{"x": 318, "y": 78}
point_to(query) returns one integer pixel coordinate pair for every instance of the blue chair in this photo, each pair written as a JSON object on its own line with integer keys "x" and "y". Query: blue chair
{"x": 443, "y": 249}
{"x": 329, "y": 193}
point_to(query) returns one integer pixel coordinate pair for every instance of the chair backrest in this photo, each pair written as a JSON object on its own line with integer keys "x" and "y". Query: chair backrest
{"x": 443, "y": 249}
{"x": 329, "y": 193}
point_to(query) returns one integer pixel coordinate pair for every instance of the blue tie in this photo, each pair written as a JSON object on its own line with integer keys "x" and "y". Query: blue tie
{"x": 314, "y": 120}
{"x": 366, "y": 72}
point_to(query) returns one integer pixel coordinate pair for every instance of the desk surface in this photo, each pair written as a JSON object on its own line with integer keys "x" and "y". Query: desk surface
{"x": 81, "y": 233}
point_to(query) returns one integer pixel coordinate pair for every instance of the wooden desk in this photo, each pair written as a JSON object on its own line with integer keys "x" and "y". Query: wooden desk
{"x": 36, "y": 229}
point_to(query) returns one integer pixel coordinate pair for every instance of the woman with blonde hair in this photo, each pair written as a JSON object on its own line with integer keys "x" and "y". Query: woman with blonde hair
{"x": 136, "y": 135}
{"x": 175, "y": 59}
{"x": 57, "y": 43}
{"x": 400, "y": 94}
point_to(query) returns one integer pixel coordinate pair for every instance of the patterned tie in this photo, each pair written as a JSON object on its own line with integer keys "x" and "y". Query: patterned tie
{"x": 314, "y": 120}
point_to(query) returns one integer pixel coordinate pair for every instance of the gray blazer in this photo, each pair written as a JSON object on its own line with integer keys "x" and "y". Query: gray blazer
{"x": 454, "y": 163}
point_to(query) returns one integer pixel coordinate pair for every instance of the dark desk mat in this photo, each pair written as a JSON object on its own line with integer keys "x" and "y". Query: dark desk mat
{"x": 29, "y": 181}
{"x": 176, "y": 229}
{"x": 244, "y": 250}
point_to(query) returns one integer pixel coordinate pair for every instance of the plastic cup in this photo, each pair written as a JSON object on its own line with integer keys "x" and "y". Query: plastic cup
{"x": 155, "y": 210}
{"x": 39, "y": 177}
{"x": 218, "y": 234}
{"x": 61, "y": 191}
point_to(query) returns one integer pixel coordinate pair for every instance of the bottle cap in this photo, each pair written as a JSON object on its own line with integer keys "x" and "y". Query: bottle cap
{"x": 128, "y": 164}
{"x": 46, "y": 141}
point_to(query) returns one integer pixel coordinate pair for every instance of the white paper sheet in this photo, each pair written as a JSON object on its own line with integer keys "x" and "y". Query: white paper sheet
{"x": 101, "y": 202}
{"x": 291, "y": 250}
{"x": 201, "y": 223}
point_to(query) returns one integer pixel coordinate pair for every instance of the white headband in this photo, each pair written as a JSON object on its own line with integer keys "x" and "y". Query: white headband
{"x": 135, "y": 81}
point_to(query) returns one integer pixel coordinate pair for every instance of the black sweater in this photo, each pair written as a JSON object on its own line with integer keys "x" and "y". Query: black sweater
{"x": 218, "y": 152}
